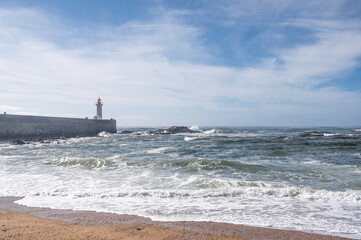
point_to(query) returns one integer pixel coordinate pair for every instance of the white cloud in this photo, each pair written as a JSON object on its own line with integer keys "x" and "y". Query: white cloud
{"x": 154, "y": 74}
{"x": 5, "y": 108}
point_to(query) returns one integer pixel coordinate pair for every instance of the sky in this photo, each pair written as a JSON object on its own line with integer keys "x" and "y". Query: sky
{"x": 183, "y": 62}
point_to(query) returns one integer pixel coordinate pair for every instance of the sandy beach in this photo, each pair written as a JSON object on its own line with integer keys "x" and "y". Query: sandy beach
{"x": 21, "y": 222}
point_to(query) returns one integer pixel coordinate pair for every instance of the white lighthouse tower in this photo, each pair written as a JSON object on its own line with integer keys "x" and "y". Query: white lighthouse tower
{"x": 99, "y": 114}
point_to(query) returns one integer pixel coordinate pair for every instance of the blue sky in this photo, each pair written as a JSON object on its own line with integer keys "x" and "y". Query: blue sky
{"x": 162, "y": 63}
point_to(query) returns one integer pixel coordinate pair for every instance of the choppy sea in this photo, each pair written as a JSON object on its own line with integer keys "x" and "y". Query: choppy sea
{"x": 290, "y": 178}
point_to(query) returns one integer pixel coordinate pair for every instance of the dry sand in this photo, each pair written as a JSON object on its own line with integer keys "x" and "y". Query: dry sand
{"x": 21, "y": 222}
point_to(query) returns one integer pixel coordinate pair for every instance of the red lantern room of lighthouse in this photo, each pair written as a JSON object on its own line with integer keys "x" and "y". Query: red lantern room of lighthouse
{"x": 99, "y": 114}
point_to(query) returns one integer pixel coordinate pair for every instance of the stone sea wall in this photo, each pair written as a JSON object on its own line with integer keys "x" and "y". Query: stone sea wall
{"x": 32, "y": 127}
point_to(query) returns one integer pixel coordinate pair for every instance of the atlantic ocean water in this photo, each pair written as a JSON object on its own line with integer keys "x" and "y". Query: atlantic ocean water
{"x": 289, "y": 178}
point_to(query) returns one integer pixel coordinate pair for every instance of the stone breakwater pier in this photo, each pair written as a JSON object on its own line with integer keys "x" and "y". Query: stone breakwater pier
{"x": 35, "y": 127}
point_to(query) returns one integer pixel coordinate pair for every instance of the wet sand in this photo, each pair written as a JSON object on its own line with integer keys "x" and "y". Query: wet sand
{"x": 21, "y": 222}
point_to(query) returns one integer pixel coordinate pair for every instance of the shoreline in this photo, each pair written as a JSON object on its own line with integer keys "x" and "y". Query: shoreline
{"x": 22, "y": 222}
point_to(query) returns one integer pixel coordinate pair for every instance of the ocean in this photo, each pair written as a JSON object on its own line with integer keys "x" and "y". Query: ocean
{"x": 305, "y": 179}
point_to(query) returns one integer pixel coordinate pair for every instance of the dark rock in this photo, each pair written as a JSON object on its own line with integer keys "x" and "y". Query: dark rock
{"x": 126, "y": 132}
{"x": 18, "y": 142}
{"x": 174, "y": 130}
{"x": 36, "y": 140}
{"x": 171, "y": 130}
{"x": 159, "y": 131}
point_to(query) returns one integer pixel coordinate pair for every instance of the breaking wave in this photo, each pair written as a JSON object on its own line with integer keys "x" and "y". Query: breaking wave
{"x": 86, "y": 163}
{"x": 159, "y": 150}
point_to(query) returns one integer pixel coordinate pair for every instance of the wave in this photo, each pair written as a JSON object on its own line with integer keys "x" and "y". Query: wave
{"x": 159, "y": 150}
{"x": 330, "y": 134}
{"x": 78, "y": 140}
{"x": 209, "y": 164}
{"x": 323, "y": 134}
{"x": 313, "y": 133}
{"x": 194, "y": 128}
{"x": 187, "y": 139}
{"x": 86, "y": 163}
{"x": 212, "y": 131}
{"x": 253, "y": 203}
{"x": 222, "y": 133}
{"x": 105, "y": 134}
{"x": 221, "y": 188}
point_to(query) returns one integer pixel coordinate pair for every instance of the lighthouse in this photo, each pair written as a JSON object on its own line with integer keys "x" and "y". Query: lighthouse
{"x": 99, "y": 114}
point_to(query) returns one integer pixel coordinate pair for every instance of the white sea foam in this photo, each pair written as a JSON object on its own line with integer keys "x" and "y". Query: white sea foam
{"x": 194, "y": 128}
{"x": 104, "y": 134}
{"x": 78, "y": 140}
{"x": 187, "y": 139}
{"x": 86, "y": 163}
{"x": 9, "y": 146}
{"x": 330, "y": 134}
{"x": 219, "y": 200}
{"x": 312, "y": 162}
{"x": 242, "y": 134}
{"x": 212, "y": 131}
{"x": 300, "y": 208}
{"x": 159, "y": 150}
{"x": 115, "y": 156}
{"x": 221, "y": 188}
{"x": 248, "y": 135}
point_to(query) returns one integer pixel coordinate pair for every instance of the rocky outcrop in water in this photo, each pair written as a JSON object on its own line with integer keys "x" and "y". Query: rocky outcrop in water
{"x": 174, "y": 130}
{"x": 126, "y": 132}
{"x": 171, "y": 130}
{"x": 34, "y": 141}
{"x": 18, "y": 142}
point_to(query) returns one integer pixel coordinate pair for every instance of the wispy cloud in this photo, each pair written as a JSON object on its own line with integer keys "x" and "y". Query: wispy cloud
{"x": 278, "y": 9}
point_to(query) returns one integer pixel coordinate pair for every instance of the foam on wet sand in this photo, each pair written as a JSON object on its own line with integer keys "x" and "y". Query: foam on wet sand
{"x": 21, "y": 222}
